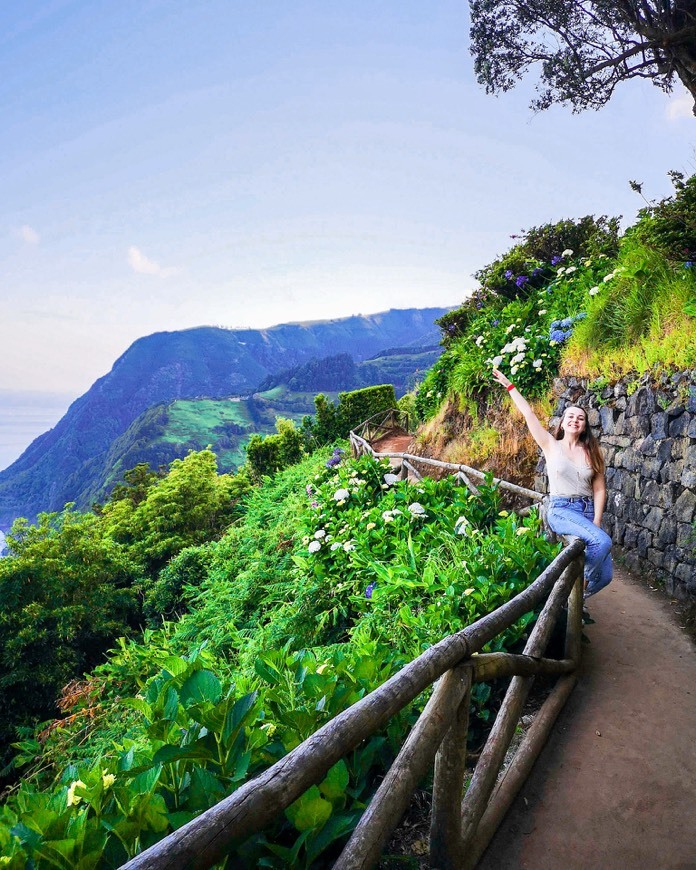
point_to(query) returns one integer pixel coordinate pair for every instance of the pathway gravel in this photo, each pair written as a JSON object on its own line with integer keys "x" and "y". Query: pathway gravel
{"x": 615, "y": 787}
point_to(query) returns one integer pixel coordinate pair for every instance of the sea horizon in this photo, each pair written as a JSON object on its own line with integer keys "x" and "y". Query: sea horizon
{"x": 24, "y": 415}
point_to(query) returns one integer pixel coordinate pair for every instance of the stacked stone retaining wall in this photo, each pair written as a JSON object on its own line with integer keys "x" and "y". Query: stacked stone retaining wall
{"x": 648, "y": 435}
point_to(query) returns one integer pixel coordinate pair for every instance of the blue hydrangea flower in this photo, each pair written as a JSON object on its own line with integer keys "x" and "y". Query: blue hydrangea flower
{"x": 370, "y": 589}
{"x": 495, "y": 322}
{"x": 558, "y": 335}
{"x": 555, "y": 260}
{"x": 554, "y": 325}
{"x": 333, "y": 462}
{"x": 508, "y": 274}
{"x": 581, "y": 316}
{"x": 566, "y": 322}
{"x": 521, "y": 280}
{"x": 689, "y": 264}
{"x": 538, "y": 271}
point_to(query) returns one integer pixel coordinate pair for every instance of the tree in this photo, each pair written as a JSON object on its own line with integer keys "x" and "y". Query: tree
{"x": 583, "y": 48}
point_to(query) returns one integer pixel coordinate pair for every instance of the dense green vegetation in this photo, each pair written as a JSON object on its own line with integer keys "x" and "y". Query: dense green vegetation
{"x": 330, "y": 580}
{"x": 606, "y": 306}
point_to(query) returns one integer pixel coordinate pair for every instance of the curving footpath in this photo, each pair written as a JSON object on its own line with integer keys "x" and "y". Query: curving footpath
{"x": 615, "y": 787}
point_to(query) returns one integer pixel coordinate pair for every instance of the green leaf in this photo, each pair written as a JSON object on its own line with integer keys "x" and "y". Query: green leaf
{"x": 336, "y": 782}
{"x": 310, "y": 811}
{"x": 175, "y": 665}
{"x": 190, "y": 752}
{"x": 205, "y": 790}
{"x": 236, "y": 715}
{"x": 201, "y": 686}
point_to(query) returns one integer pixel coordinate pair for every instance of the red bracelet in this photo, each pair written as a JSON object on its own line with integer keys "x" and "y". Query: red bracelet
{"x": 510, "y": 388}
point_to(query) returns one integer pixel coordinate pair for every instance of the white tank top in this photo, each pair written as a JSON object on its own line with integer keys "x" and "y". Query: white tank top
{"x": 565, "y": 477}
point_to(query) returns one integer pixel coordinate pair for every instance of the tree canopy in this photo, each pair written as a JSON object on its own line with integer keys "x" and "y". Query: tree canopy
{"x": 583, "y": 49}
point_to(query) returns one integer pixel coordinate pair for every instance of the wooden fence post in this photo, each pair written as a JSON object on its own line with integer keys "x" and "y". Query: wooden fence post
{"x": 448, "y": 789}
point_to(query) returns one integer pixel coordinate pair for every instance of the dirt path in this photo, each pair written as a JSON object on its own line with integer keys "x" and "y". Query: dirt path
{"x": 392, "y": 443}
{"x": 615, "y": 787}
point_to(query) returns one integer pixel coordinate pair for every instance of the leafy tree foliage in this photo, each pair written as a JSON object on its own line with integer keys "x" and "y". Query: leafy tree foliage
{"x": 269, "y": 454}
{"x": 66, "y": 590}
{"x": 525, "y": 266}
{"x": 669, "y": 226}
{"x": 189, "y": 506}
{"x": 583, "y": 49}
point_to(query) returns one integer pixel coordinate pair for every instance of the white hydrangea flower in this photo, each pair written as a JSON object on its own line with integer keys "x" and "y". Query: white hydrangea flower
{"x": 391, "y": 479}
{"x": 517, "y": 358}
{"x": 479, "y": 341}
{"x": 387, "y": 517}
{"x": 314, "y": 547}
{"x": 74, "y": 799}
{"x": 336, "y": 546}
{"x": 509, "y": 329}
{"x": 537, "y": 363}
{"x": 608, "y": 277}
{"x": 348, "y": 546}
{"x": 320, "y": 533}
{"x": 561, "y": 271}
{"x": 461, "y": 526}
{"x": 570, "y": 270}
{"x": 341, "y": 495}
{"x": 542, "y": 311}
{"x": 513, "y": 370}
{"x": 370, "y": 526}
{"x": 497, "y": 361}
{"x": 594, "y": 290}
{"x": 417, "y": 509}
{"x": 567, "y": 253}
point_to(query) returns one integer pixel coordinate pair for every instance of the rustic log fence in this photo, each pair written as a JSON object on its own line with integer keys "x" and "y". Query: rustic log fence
{"x": 383, "y": 423}
{"x": 463, "y": 820}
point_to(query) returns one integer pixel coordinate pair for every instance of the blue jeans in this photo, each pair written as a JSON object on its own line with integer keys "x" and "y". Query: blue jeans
{"x": 573, "y": 516}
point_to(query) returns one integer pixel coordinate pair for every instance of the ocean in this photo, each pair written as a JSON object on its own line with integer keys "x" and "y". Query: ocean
{"x": 24, "y": 416}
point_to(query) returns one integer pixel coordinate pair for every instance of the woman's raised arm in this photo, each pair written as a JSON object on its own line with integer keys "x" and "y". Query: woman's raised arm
{"x": 542, "y": 437}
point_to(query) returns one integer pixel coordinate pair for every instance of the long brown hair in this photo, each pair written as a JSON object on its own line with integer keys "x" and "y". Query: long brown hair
{"x": 588, "y": 441}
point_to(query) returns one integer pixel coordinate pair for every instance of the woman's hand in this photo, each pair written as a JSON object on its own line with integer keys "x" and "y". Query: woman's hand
{"x": 500, "y": 377}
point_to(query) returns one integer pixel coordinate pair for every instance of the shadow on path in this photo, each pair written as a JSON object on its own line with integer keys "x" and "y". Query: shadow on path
{"x": 615, "y": 787}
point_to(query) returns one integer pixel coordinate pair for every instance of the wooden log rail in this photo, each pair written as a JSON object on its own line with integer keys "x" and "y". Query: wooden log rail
{"x": 382, "y": 423}
{"x": 460, "y": 830}
{"x": 361, "y": 446}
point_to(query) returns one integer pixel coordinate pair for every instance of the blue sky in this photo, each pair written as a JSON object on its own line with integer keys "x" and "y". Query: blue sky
{"x": 171, "y": 164}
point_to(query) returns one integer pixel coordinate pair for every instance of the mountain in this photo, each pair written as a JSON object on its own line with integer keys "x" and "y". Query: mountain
{"x": 62, "y": 464}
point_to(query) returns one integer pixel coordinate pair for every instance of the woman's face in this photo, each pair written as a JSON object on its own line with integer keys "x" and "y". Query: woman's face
{"x": 574, "y": 420}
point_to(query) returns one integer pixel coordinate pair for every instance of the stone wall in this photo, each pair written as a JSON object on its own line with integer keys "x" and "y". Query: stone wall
{"x": 648, "y": 435}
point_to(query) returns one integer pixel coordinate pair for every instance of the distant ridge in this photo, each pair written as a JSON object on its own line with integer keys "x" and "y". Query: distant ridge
{"x": 61, "y": 465}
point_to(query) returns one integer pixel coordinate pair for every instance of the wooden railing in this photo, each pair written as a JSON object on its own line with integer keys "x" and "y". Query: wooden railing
{"x": 460, "y": 830}
{"x": 360, "y": 445}
{"x": 382, "y": 423}
{"x": 463, "y": 821}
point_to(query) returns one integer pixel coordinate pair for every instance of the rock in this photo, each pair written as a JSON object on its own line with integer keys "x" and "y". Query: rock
{"x": 684, "y": 507}
{"x": 606, "y": 418}
{"x": 593, "y": 417}
{"x": 619, "y": 389}
{"x": 642, "y": 403}
{"x": 679, "y": 426}
{"x": 651, "y": 492}
{"x": 666, "y": 534}
{"x": 651, "y": 468}
{"x": 688, "y": 477}
{"x": 644, "y": 543}
{"x": 664, "y": 449}
{"x": 675, "y": 409}
{"x": 653, "y": 520}
{"x": 656, "y": 558}
{"x": 675, "y": 471}
{"x": 685, "y": 535}
{"x": 647, "y": 447}
{"x": 658, "y": 425}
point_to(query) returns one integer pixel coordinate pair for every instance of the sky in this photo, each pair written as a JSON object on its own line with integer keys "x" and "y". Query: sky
{"x": 173, "y": 163}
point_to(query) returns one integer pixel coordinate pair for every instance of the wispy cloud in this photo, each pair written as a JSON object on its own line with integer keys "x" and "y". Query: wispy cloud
{"x": 28, "y": 235}
{"x": 145, "y": 266}
{"x": 680, "y": 106}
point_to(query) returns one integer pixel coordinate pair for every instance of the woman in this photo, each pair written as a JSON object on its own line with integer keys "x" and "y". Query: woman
{"x": 577, "y": 489}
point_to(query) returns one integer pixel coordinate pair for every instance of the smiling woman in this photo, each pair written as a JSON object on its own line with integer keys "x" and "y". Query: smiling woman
{"x": 577, "y": 487}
